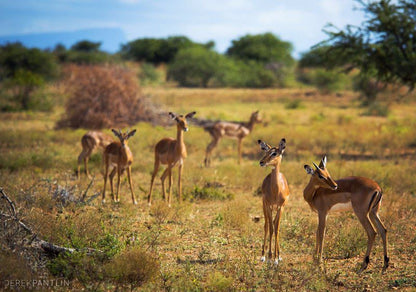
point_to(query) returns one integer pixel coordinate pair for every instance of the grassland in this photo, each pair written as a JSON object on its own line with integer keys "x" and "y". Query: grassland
{"x": 210, "y": 241}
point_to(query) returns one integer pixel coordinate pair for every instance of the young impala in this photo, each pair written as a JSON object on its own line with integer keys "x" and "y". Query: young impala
{"x": 171, "y": 152}
{"x": 235, "y": 130}
{"x": 275, "y": 194}
{"x": 360, "y": 194}
{"x": 91, "y": 141}
{"x": 119, "y": 157}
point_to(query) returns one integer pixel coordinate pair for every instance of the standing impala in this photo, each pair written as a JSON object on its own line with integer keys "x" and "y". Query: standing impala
{"x": 171, "y": 152}
{"x": 119, "y": 157}
{"x": 360, "y": 194}
{"x": 275, "y": 194}
{"x": 91, "y": 141}
{"x": 235, "y": 130}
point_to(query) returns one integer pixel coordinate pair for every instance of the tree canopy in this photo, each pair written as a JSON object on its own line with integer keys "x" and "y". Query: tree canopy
{"x": 265, "y": 48}
{"x": 383, "y": 46}
{"x": 157, "y": 51}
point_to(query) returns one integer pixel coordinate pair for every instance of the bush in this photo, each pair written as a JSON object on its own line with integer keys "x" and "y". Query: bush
{"x": 149, "y": 74}
{"x": 325, "y": 80}
{"x": 209, "y": 193}
{"x": 132, "y": 268}
{"x": 194, "y": 67}
{"x": 102, "y": 97}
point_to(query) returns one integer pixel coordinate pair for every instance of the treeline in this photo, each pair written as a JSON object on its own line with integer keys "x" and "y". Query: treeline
{"x": 252, "y": 61}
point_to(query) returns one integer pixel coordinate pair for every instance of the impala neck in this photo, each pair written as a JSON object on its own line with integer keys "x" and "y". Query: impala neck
{"x": 250, "y": 124}
{"x": 179, "y": 139}
{"x": 309, "y": 191}
{"x": 275, "y": 176}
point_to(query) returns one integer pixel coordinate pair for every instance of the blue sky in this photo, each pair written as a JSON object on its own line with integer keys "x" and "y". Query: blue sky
{"x": 297, "y": 21}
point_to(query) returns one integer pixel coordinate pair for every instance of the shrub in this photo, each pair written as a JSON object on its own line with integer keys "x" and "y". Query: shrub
{"x": 219, "y": 282}
{"x": 149, "y": 75}
{"x": 102, "y": 97}
{"x": 209, "y": 193}
{"x": 378, "y": 109}
{"x": 133, "y": 268}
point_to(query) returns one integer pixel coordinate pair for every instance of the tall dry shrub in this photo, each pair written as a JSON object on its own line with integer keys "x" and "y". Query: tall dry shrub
{"x": 102, "y": 97}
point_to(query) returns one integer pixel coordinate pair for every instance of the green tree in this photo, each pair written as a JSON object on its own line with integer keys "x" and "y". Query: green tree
{"x": 86, "y": 46}
{"x": 23, "y": 71}
{"x": 264, "y": 48}
{"x": 270, "y": 52}
{"x": 195, "y": 66}
{"x": 383, "y": 47}
{"x": 156, "y": 51}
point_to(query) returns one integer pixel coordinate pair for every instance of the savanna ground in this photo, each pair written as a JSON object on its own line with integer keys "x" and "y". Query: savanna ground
{"x": 210, "y": 241}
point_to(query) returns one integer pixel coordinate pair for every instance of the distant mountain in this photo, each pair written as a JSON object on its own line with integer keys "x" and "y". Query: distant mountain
{"x": 110, "y": 38}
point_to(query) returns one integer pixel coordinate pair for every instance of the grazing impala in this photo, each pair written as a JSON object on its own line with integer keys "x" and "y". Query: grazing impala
{"x": 360, "y": 194}
{"x": 235, "y": 130}
{"x": 275, "y": 194}
{"x": 119, "y": 156}
{"x": 171, "y": 152}
{"x": 91, "y": 141}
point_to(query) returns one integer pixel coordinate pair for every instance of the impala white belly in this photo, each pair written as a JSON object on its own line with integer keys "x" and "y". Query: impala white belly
{"x": 341, "y": 207}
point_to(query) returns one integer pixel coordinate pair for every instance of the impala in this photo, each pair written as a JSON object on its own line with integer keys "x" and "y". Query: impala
{"x": 235, "y": 130}
{"x": 171, "y": 152}
{"x": 119, "y": 157}
{"x": 360, "y": 194}
{"x": 275, "y": 194}
{"x": 91, "y": 141}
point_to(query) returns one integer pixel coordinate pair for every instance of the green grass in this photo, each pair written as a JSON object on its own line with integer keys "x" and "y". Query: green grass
{"x": 210, "y": 242}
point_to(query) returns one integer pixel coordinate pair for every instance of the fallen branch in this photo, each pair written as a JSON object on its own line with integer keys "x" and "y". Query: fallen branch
{"x": 35, "y": 242}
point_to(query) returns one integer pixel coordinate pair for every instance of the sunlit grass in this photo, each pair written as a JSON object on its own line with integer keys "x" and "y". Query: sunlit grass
{"x": 212, "y": 243}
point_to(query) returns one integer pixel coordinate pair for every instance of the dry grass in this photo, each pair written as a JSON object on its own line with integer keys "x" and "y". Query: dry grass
{"x": 211, "y": 244}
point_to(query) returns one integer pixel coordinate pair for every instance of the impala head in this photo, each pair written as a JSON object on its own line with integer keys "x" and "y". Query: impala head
{"x": 255, "y": 117}
{"x": 273, "y": 155}
{"x": 321, "y": 175}
{"x": 123, "y": 137}
{"x": 181, "y": 120}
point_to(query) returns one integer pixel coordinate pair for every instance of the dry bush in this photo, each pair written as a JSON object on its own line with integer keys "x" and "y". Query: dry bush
{"x": 103, "y": 97}
{"x": 132, "y": 268}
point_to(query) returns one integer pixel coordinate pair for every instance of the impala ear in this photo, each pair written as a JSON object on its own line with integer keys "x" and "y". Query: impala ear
{"x": 190, "y": 115}
{"x": 173, "y": 116}
{"x": 263, "y": 145}
{"x": 282, "y": 145}
{"x": 131, "y": 133}
{"x": 309, "y": 170}
{"x": 322, "y": 164}
{"x": 116, "y": 133}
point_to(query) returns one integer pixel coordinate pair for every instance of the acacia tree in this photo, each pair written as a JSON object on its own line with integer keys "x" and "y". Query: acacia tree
{"x": 383, "y": 47}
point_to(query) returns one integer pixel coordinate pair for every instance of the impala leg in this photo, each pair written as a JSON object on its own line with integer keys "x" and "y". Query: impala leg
{"x": 118, "y": 184}
{"x": 170, "y": 187}
{"x": 371, "y": 234}
{"x": 112, "y": 173}
{"x": 320, "y": 233}
{"x": 383, "y": 233}
{"x": 162, "y": 179}
{"x": 270, "y": 223}
{"x": 239, "y": 150}
{"x": 83, "y": 156}
{"x": 208, "y": 151}
{"x": 375, "y": 219}
{"x": 276, "y": 222}
{"x": 266, "y": 229}
{"x": 105, "y": 180}
{"x": 155, "y": 170}
{"x": 180, "y": 181}
{"x": 131, "y": 185}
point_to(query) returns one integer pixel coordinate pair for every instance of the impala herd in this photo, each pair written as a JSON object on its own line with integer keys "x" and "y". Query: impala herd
{"x": 323, "y": 194}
